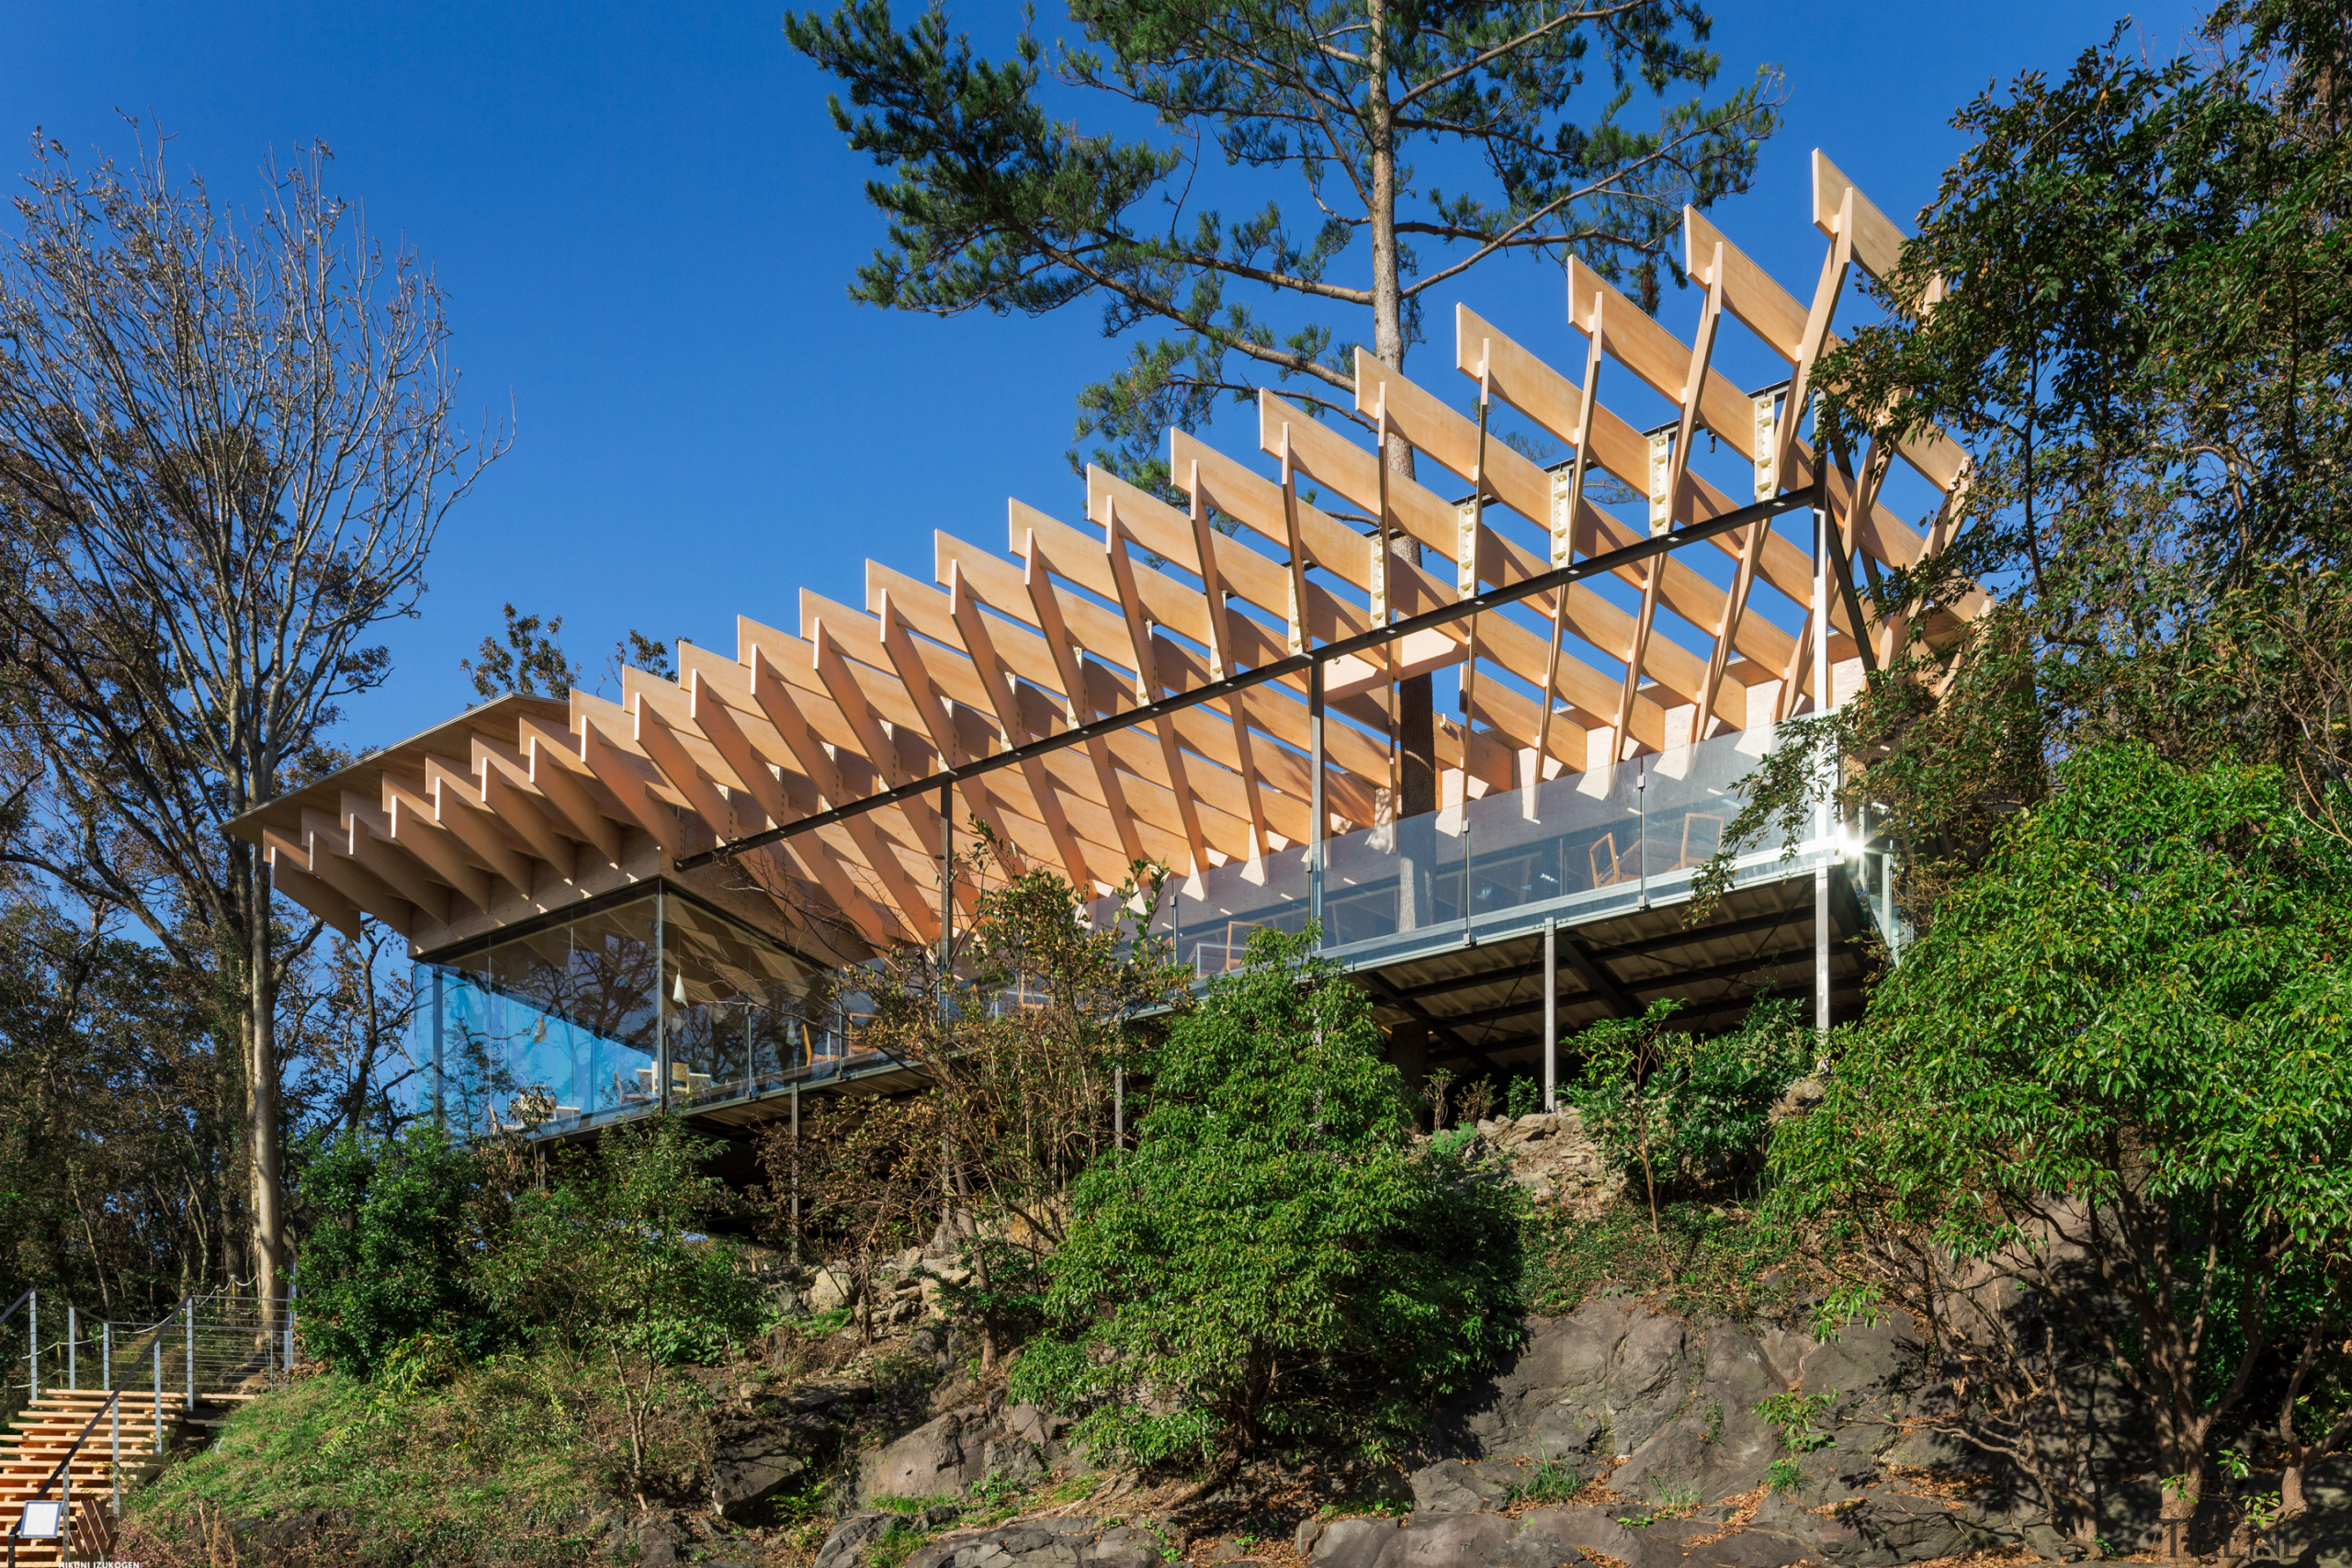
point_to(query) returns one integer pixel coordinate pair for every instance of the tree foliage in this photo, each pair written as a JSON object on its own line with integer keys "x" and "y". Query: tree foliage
{"x": 396, "y": 1225}
{"x": 226, "y": 443}
{"x": 1022, "y": 1038}
{"x": 1275, "y": 1263}
{"x": 1425, "y": 138}
{"x": 1676, "y": 1111}
{"x": 2130, "y": 306}
{"x": 483, "y": 1246}
{"x": 2116, "y": 1079}
{"x": 118, "y": 1132}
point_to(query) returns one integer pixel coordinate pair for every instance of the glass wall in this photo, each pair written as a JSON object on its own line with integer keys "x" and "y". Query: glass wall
{"x": 651, "y": 999}
{"x": 1577, "y": 847}
{"x": 584, "y": 1017}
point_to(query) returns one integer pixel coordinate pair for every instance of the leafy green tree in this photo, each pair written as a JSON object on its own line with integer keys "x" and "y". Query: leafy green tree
{"x": 609, "y": 1261}
{"x": 2095, "y": 1127}
{"x": 397, "y": 1229}
{"x": 1273, "y": 1263}
{"x": 1679, "y": 1110}
{"x": 2140, "y": 336}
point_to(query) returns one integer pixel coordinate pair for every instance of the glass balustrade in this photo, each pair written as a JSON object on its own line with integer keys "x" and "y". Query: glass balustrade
{"x": 583, "y": 1017}
{"x": 1577, "y": 847}
{"x": 581, "y": 1020}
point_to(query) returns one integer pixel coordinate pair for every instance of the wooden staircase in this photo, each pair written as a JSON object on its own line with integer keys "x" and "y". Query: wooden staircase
{"x": 44, "y": 1431}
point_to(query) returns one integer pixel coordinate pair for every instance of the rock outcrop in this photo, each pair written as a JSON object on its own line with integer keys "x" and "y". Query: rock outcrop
{"x": 1029, "y": 1544}
{"x": 1552, "y": 1157}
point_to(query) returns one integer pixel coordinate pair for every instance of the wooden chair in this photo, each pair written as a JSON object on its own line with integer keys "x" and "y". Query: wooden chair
{"x": 1615, "y": 872}
{"x": 1230, "y": 951}
{"x": 1687, "y": 859}
{"x": 682, "y": 1080}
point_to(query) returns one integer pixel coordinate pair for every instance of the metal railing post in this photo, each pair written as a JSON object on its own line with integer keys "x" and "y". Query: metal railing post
{"x": 115, "y": 1467}
{"x": 189, "y": 1332}
{"x": 105, "y": 1350}
{"x": 1642, "y": 808}
{"x": 293, "y": 1287}
{"x": 32, "y": 1336}
{"x": 72, "y": 1364}
{"x": 1552, "y": 1015}
{"x": 159, "y": 1386}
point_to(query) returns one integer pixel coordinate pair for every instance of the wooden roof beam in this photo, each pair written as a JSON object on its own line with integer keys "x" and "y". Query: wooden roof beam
{"x": 980, "y": 643}
{"x": 330, "y": 859}
{"x": 363, "y": 832}
{"x": 772, "y": 693}
{"x": 562, "y": 776}
{"x": 457, "y": 807}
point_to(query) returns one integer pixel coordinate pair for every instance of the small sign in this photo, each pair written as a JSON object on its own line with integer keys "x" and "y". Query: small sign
{"x": 41, "y": 1521}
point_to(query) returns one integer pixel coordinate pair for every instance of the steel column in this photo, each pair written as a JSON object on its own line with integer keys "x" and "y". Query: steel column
{"x": 1821, "y": 819}
{"x": 1552, "y": 1015}
{"x": 1317, "y": 813}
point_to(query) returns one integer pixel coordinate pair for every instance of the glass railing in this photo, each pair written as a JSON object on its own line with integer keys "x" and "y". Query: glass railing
{"x": 1573, "y": 847}
{"x": 583, "y": 1020}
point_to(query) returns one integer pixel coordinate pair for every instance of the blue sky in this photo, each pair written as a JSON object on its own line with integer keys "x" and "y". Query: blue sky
{"x": 644, "y": 221}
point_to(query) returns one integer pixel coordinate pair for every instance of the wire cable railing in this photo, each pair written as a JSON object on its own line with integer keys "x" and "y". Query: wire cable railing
{"x": 209, "y": 1346}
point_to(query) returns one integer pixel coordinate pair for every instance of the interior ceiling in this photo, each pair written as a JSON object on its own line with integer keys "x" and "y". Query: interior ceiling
{"x": 528, "y": 805}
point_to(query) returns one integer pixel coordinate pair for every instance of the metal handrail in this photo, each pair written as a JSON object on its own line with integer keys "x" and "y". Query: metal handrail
{"x": 64, "y": 1470}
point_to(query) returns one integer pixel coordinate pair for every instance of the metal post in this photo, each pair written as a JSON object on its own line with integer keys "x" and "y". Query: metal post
{"x": 114, "y": 1409}
{"x": 946, "y": 893}
{"x": 1641, "y": 826}
{"x": 440, "y": 1114}
{"x": 796, "y": 1175}
{"x": 1550, "y": 1015}
{"x": 285, "y": 1362}
{"x": 1821, "y": 547}
{"x": 159, "y": 1386}
{"x": 73, "y": 1363}
{"x": 32, "y": 1331}
{"x": 105, "y": 1351}
{"x": 188, "y": 1332}
{"x": 1468, "y": 939}
{"x": 662, "y": 1003}
{"x": 1317, "y": 813}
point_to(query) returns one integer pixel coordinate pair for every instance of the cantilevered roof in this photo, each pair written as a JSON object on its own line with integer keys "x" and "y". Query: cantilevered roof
{"x": 528, "y": 805}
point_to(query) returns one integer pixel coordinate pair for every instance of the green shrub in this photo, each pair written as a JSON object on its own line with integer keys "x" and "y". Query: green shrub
{"x": 389, "y": 1256}
{"x": 1273, "y": 1263}
{"x": 611, "y": 1252}
{"x": 1522, "y": 1097}
{"x": 1673, "y": 1110}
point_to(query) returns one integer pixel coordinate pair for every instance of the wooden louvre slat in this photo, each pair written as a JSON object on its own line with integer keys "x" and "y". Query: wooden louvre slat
{"x": 526, "y": 803}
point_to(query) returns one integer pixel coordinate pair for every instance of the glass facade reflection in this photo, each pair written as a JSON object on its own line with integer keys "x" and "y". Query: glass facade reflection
{"x": 621, "y": 1007}
{"x": 650, "y": 1000}
{"x": 1576, "y": 848}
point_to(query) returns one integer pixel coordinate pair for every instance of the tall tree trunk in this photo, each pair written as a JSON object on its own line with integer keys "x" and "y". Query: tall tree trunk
{"x": 1416, "y": 717}
{"x": 265, "y": 1161}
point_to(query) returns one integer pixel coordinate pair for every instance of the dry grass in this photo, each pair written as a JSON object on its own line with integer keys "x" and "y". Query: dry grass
{"x": 1743, "y": 1513}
